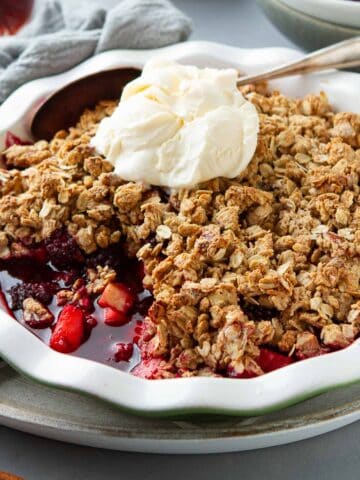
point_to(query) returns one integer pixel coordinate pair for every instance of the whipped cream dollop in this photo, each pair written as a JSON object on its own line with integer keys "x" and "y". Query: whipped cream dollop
{"x": 176, "y": 126}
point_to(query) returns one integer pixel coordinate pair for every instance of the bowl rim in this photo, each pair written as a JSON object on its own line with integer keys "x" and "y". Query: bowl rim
{"x": 343, "y": 13}
{"x": 244, "y": 397}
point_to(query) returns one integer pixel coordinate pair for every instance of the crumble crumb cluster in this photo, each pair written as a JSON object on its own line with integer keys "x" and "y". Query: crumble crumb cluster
{"x": 268, "y": 260}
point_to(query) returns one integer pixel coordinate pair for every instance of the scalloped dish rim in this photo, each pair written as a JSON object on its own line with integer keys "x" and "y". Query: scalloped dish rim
{"x": 243, "y": 397}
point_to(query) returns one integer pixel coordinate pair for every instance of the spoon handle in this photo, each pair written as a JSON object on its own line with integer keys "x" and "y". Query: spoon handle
{"x": 340, "y": 55}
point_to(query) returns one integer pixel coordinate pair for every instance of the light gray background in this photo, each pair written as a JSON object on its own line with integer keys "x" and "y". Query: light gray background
{"x": 332, "y": 456}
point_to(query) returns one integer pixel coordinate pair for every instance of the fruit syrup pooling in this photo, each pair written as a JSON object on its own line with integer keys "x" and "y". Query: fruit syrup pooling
{"x": 99, "y": 327}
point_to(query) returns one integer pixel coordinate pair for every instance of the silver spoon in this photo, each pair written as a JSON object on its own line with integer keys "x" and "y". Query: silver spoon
{"x": 63, "y": 108}
{"x": 344, "y": 54}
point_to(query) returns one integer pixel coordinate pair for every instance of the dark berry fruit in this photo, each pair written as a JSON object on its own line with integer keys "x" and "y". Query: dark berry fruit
{"x": 112, "y": 257}
{"x": 42, "y": 291}
{"x": 142, "y": 306}
{"x": 67, "y": 277}
{"x": 258, "y": 312}
{"x": 63, "y": 251}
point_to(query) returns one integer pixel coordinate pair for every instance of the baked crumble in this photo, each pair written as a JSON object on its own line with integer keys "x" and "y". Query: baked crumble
{"x": 247, "y": 275}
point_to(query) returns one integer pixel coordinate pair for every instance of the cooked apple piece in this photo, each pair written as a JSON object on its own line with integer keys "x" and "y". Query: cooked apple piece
{"x": 115, "y": 318}
{"x": 118, "y": 297}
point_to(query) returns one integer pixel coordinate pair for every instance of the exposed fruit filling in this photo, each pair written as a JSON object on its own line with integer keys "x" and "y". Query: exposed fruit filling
{"x": 230, "y": 278}
{"x": 54, "y": 290}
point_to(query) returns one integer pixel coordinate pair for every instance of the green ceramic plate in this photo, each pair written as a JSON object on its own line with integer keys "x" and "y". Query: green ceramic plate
{"x": 246, "y": 397}
{"x": 70, "y": 417}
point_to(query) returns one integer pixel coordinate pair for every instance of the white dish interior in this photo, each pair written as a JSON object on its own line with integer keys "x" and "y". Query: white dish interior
{"x": 244, "y": 397}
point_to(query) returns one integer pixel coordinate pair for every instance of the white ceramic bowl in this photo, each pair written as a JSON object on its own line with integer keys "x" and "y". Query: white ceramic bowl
{"x": 341, "y": 12}
{"x": 272, "y": 391}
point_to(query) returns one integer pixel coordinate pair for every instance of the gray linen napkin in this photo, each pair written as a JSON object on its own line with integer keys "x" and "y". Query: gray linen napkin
{"x": 58, "y": 39}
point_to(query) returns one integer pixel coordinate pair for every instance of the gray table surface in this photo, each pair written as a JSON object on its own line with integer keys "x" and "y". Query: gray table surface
{"x": 332, "y": 456}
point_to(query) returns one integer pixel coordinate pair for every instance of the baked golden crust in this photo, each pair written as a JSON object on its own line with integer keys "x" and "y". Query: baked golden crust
{"x": 268, "y": 259}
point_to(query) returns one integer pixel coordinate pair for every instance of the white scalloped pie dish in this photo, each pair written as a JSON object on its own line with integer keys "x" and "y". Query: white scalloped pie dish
{"x": 272, "y": 391}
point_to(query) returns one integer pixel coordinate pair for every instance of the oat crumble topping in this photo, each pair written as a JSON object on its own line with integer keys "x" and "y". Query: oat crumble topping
{"x": 271, "y": 258}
